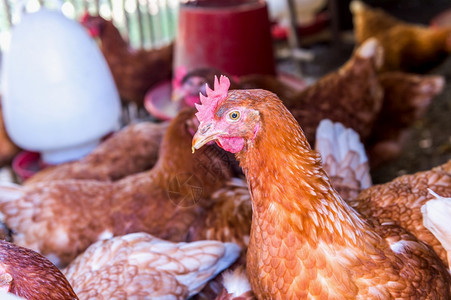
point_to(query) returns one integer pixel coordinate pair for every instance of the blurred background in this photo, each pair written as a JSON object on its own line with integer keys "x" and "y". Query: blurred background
{"x": 308, "y": 38}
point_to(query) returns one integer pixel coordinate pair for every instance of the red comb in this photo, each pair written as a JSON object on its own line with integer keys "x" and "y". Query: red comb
{"x": 213, "y": 99}
{"x": 84, "y": 17}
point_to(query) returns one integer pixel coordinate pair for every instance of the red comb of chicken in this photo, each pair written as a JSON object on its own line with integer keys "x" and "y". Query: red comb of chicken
{"x": 84, "y": 17}
{"x": 213, "y": 99}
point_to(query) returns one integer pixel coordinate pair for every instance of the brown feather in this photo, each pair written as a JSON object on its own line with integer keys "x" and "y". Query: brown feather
{"x": 305, "y": 240}
{"x": 401, "y": 200}
{"x": 62, "y": 218}
{"x": 32, "y": 275}
{"x": 131, "y": 150}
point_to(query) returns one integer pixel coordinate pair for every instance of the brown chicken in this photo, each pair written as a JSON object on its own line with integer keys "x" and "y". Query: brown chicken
{"x": 61, "y": 218}
{"x": 405, "y": 200}
{"x": 351, "y": 95}
{"x": 134, "y": 71}
{"x": 229, "y": 218}
{"x": 407, "y": 47}
{"x": 140, "y": 266}
{"x": 28, "y": 274}
{"x": 305, "y": 240}
{"x": 131, "y": 150}
{"x": 406, "y": 98}
{"x": 381, "y": 107}
{"x": 401, "y": 199}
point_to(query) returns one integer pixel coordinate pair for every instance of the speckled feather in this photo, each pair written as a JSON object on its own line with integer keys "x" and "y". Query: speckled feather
{"x": 305, "y": 241}
{"x": 140, "y": 266}
{"x": 344, "y": 158}
{"x": 62, "y": 218}
{"x": 131, "y": 150}
{"x": 32, "y": 275}
{"x": 227, "y": 219}
{"x": 401, "y": 199}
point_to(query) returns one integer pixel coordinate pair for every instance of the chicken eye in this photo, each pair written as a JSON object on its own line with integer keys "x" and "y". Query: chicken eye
{"x": 234, "y": 115}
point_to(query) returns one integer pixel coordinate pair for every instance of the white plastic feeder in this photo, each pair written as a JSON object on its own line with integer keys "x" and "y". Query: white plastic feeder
{"x": 59, "y": 97}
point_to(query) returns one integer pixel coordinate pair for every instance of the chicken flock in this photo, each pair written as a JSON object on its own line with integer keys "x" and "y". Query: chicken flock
{"x": 228, "y": 200}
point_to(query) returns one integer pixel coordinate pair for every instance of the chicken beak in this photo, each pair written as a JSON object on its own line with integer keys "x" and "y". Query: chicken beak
{"x": 204, "y": 136}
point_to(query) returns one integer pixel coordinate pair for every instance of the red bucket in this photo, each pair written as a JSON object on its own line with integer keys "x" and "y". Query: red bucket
{"x": 231, "y": 35}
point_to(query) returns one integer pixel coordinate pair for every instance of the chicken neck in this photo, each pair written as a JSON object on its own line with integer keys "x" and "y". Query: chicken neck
{"x": 284, "y": 172}
{"x": 209, "y": 168}
{"x": 299, "y": 221}
{"x": 112, "y": 40}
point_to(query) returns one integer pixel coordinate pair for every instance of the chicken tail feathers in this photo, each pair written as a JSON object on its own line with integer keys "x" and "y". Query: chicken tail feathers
{"x": 343, "y": 155}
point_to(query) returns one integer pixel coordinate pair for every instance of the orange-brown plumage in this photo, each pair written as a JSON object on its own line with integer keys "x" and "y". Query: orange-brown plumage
{"x": 344, "y": 158}
{"x": 131, "y": 150}
{"x": 28, "y": 274}
{"x": 350, "y": 95}
{"x": 305, "y": 240}
{"x": 379, "y": 106}
{"x": 61, "y": 218}
{"x": 401, "y": 199}
{"x": 134, "y": 71}
{"x": 230, "y": 215}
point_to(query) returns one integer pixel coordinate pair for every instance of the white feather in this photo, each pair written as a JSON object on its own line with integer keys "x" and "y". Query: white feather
{"x": 236, "y": 282}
